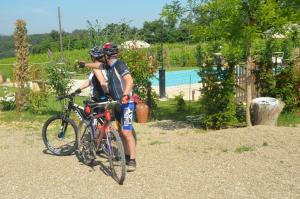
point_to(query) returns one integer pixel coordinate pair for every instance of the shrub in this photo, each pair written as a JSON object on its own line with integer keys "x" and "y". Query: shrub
{"x": 142, "y": 64}
{"x": 287, "y": 89}
{"x": 7, "y": 105}
{"x": 37, "y": 102}
{"x": 217, "y": 102}
{"x": 58, "y": 78}
{"x": 181, "y": 105}
{"x": 241, "y": 113}
{"x": 7, "y": 102}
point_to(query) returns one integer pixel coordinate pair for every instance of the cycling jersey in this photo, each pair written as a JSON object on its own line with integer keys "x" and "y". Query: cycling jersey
{"x": 115, "y": 74}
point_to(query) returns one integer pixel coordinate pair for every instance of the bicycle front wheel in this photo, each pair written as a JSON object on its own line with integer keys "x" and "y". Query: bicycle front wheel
{"x": 59, "y": 135}
{"x": 86, "y": 152}
{"x": 116, "y": 157}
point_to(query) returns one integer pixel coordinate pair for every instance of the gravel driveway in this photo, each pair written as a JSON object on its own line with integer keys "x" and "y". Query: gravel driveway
{"x": 173, "y": 162}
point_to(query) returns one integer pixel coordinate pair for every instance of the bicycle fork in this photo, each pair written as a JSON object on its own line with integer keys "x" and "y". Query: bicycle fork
{"x": 63, "y": 129}
{"x": 63, "y": 126}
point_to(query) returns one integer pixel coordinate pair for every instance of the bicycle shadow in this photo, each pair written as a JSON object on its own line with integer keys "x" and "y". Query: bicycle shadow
{"x": 62, "y": 149}
{"x": 104, "y": 168}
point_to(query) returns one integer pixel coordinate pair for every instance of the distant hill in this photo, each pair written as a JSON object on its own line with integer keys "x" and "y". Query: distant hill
{"x": 40, "y": 43}
{"x": 7, "y": 46}
{"x": 77, "y": 39}
{"x": 95, "y": 35}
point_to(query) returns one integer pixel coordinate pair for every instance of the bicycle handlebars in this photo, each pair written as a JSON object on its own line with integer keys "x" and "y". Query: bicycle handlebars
{"x": 99, "y": 104}
{"x": 88, "y": 102}
{"x": 70, "y": 96}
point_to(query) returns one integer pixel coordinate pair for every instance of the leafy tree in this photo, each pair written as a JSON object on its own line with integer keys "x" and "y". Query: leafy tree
{"x": 240, "y": 23}
{"x": 170, "y": 16}
{"x": 118, "y": 33}
{"x": 7, "y": 46}
{"x": 171, "y": 13}
{"x": 94, "y": 32}
{"x": 54, "y": 35}
{"x": 152, "y": 32}
{"x": 281, "y": 83}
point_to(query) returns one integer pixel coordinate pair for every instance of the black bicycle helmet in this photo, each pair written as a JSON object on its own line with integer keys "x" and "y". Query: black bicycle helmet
{"x": 96, "y": 52}
{"x": 110, "y": 49}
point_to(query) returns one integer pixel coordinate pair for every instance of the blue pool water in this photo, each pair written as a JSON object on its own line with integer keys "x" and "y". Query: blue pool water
{"x": 174, "y": 78}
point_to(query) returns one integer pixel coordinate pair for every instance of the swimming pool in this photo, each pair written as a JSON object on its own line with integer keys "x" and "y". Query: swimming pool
{"x": 175, "y": 78}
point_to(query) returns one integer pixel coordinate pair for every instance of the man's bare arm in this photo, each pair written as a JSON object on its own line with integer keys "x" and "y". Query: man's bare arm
{"x": 92, "y": 65}
{"x": 89, "y": 65}
{"x": 128, "y": 84}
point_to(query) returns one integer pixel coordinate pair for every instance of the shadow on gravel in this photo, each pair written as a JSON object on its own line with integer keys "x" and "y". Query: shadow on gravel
{"x": 105, "y": 169}
{"x": 47, "y": 152}
{"x": 170, "y": 125}
{"x": 102, "y": 167}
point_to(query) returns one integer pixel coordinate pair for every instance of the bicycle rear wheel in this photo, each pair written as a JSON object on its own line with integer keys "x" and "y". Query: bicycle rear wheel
{"x": 116, "y": 156}
{"x": 59, "y": 135}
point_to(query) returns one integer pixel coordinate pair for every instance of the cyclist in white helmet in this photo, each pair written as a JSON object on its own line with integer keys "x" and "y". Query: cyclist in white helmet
{"x": 96, "y": 80}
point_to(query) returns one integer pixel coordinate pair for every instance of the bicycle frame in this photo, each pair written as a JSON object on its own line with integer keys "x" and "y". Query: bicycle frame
{"x": 77, "y": 109}
{"x": 90, "y": 146}
{"x": 103, "y": 126}
{"x": 89, "y": 118}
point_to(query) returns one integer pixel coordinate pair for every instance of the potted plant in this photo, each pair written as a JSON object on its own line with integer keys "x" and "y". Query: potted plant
{"x": 142, "y": 109}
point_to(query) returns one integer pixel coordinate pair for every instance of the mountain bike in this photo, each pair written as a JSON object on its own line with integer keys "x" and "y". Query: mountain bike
{"x": 96, "y": 135}
{"x": 61, "y": 135}
{"x": 59, "y": 132}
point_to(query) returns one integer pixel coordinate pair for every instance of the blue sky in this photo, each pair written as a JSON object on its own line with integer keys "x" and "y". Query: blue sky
{"x": 41, "y": 15}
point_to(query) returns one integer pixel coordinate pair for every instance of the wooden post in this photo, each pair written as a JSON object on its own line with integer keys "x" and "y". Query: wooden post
{"x": 248, "y": 86}
{"x": 193, "y": 95}
{"x": 60, "y": 35}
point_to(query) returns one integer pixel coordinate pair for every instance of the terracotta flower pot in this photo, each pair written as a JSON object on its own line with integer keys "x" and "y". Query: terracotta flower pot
{"x": 142, "y": 112}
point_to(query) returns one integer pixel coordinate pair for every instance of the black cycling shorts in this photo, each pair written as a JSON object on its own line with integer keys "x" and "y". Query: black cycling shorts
{"x": 118, "y": 112}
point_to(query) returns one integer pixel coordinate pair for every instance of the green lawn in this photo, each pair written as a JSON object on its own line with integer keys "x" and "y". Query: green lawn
{"x": 289, "y": 119}
{"x": 54, "y": 107}
{"x": 167, "y": 110}
{"x": 177, "y": 56}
